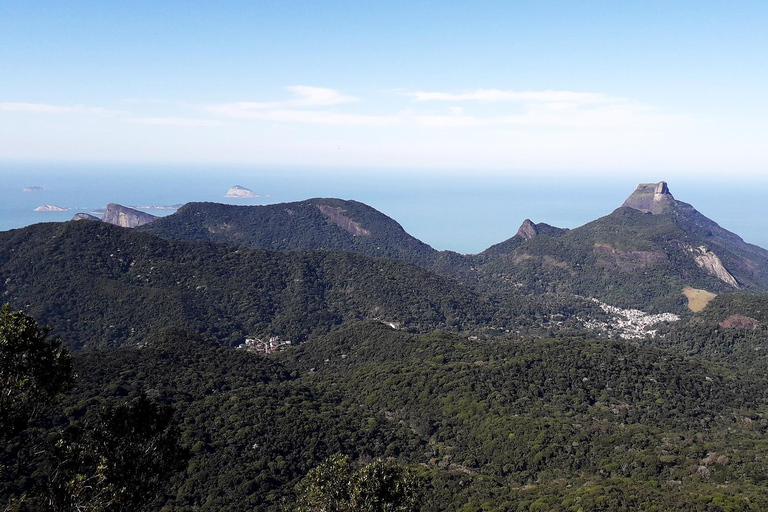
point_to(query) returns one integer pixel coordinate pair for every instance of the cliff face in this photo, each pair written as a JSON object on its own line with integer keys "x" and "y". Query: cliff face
{"x": 527, "y": 230}
{"x": 710, "y": 262}
{"x": 126, "y": 217}
{"x": 716, "y": 250}
{"x": 650, "y": 198}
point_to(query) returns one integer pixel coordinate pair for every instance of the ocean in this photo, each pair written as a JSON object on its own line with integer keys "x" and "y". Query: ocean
{"x": 464, "y": 212}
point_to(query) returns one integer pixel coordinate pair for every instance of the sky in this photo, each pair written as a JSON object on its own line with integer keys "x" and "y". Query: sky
{"x": 594, "y": 87}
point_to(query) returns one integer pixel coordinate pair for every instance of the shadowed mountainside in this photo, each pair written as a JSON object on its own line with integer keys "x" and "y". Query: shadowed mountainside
{"x": 330, "y": 224}
{"x": 99, "y": 284}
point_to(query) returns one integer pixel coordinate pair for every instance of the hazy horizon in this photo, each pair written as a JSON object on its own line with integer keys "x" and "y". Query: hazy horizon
{"x": 456, "y": 212}
{"x": 549, "y": 87}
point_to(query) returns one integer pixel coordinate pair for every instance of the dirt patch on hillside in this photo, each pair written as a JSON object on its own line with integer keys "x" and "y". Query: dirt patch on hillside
{"x": 738, "y": 322}
{"x": 697, "y": 299}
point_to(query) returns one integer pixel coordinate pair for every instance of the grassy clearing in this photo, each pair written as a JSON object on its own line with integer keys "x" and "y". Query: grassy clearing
{"x": 697, "y": 299}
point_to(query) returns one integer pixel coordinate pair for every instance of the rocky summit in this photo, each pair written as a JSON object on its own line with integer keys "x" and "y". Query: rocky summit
{"x": 126, "y": 217}
{"x": 650, "y": 198}
{"x": 85, "y": 216}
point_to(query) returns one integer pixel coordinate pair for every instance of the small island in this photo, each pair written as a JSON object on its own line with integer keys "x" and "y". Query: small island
{"x": 157, "y": 207}
{"x": 33, "y": 189}
{"x": 241, "y": 193}
{"x": 51, "y": 208}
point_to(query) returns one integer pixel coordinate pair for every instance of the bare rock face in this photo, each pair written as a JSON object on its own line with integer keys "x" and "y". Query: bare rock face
{"x": 528, "y": 229}
{"x": 710, "y": 263}
{"x": 126, "y": 217}
{"x": 336, "y": 216}
{"x": 650, "y": 198}
{"x": 85, "y": 216}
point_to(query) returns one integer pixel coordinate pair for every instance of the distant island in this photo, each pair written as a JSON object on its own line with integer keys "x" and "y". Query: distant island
{"x": 51, "y": 208}
{"x": 158, "y": 207}
{"x": 33, "y": 189}
{"x": 241, "y": 193}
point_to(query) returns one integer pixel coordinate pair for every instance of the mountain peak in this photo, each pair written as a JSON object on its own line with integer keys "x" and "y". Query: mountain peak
{"x": 120, "y": 215}
{"x": 528, "y": 229}
{"x": 650, "y": 198}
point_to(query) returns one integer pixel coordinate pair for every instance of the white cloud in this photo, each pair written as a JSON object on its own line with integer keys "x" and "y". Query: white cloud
{"x": 316, "y": 96}
{"x": 174, "y": 121}
{"x": 539, "y": 109}
{"x": 556, "y": 109}
{"x": 237, "y": 111}
{"x": 43, "y": 108}
{"x": 305, "y": 96}
{"x": 451, "y": 121}
{"x": 301, "y": 109}
{"x": 489, "y": 95}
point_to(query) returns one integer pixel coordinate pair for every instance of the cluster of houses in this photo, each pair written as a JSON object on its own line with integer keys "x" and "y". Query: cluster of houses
{"x": 629, "y": 323}
{"x": 265, "y": 346}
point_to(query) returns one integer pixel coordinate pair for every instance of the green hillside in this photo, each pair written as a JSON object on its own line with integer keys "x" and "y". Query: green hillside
{"x": 500, "y": 425}
{"x": 320, "y": 223}
{"x": 640, "y": 256}
{"x": 100, "y": 285}
{"x": 627, "y": 258}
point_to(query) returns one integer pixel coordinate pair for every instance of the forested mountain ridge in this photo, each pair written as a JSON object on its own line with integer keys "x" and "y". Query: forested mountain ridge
{"x": 643, "y": 255}
{"x": 320, "y": 223}
{"x": 98, "y": 284}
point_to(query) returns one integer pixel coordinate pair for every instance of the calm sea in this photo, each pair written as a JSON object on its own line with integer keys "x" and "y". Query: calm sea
{"x": 463, "y": 212}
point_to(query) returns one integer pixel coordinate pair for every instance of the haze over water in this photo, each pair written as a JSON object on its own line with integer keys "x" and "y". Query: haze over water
{"x": 454, "y": 211}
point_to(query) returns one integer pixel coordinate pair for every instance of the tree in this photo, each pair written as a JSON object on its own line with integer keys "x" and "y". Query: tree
{"x": 336, "y": 486}
{"x": 120, "y": 462}
{"x": 33, "y": 370}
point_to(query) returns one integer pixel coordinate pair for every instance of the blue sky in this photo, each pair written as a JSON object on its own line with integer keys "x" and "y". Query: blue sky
{"x": 589, "y": 87}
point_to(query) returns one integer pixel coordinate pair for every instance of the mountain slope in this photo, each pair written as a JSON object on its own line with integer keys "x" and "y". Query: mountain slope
{"x": 331, "y": 224}
{"x": 98, "y": 284}
{"x": 642, "y": 256}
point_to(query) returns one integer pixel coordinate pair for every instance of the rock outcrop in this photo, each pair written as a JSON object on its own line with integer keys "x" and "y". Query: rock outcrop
{"x": 710, "y": 262}
{"x": 241, "y": 193}
{"x": 527, "y": 229}
{"x": 650, "y": 198}
{"x": 336, "y": 216}
{"x": 85, "y": 216}
{"x": 126, "y": 217}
